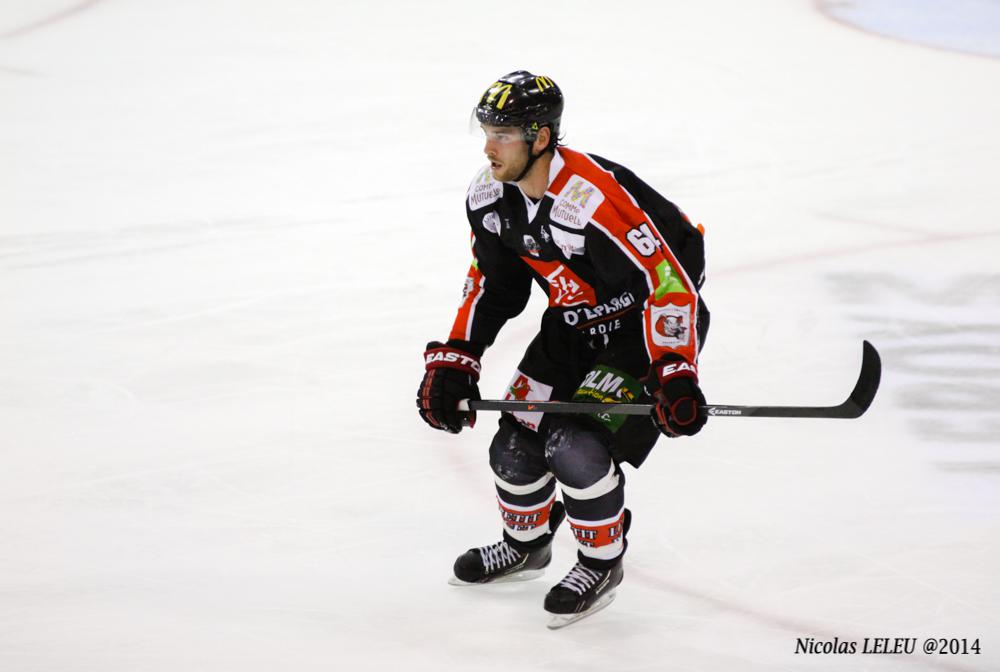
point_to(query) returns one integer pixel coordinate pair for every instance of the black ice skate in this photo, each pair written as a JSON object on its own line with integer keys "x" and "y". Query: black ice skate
{"x": 583, "y": 592}
{"x": 509, "y": 559}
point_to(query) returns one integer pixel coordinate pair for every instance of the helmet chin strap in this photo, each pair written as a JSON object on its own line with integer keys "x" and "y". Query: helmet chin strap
{"x": 531, "y": 161}
{"x": 534, "y": 157}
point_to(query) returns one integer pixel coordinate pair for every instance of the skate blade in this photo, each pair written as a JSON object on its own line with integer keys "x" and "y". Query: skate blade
{"x": 562, "y": 620}
{"x": 526, "y": 575}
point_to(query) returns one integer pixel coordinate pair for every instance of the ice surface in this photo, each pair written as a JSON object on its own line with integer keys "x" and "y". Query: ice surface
{"x": 228, "y": 228}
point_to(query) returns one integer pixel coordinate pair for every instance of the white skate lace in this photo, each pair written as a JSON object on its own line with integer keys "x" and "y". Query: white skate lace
{"x": 498, "y": 556}
{"x": 580, "y": 579}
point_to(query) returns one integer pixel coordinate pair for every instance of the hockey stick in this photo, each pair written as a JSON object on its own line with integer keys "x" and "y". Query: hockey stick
{"x": 855, "y": 405}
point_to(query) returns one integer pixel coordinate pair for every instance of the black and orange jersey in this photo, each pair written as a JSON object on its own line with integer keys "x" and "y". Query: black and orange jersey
{"x": 610, "y": 251}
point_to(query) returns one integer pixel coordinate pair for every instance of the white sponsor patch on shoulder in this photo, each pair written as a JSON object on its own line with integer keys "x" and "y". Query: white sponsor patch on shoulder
{"x": 671, "y": 325}
{"x": 491, "y": 222}
{"x": 525, "y": 388}
{"x": 576, "y": 203}
{"x": 484, "y": 190}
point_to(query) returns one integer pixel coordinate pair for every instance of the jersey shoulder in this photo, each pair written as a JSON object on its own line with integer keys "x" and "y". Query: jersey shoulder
{"x": 580, "y": 187}
{"x": 629, "y": 195}
{"x": 484, "y": 190}
{"x": 683, "y": 238}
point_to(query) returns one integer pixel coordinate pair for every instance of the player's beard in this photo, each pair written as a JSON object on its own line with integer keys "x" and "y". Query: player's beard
{"x": 510, "y": 169}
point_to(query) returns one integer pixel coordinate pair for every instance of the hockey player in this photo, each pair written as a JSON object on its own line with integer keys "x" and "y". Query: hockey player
{"x": 622, "y": 267}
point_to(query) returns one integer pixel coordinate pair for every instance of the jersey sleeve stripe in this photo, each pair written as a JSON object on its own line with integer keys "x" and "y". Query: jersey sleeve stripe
{"x": 651, "y": 349}
{"x": 663, "y": 243}
{"x": 671, "y": 291}
{"x": 629, "y": 213}
{"x": 462, "y": 327}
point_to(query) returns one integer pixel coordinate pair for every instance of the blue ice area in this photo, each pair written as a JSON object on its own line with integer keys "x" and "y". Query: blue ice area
{"x": 971, "y": 26}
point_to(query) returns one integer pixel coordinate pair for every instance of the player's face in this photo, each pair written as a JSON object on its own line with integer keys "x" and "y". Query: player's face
{"x": 507, "y": 151}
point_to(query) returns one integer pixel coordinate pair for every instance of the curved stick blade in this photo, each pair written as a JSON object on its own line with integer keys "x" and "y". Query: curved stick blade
{"x": 868, "y": 381}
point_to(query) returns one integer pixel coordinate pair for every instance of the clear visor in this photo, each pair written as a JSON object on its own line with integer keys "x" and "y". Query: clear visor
{"x": 501, "y": 134}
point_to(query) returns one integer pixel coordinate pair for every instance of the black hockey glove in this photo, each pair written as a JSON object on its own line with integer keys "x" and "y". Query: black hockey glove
{"x": 674, "y": 385}
{"x": 451, "y": 375}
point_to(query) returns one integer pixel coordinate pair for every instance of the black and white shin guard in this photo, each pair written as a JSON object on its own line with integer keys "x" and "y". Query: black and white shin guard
{"x": 593, "y": 490}
{"x": 526, "y": 489}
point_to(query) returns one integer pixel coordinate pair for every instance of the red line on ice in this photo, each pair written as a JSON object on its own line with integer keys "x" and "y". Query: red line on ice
{"x": 49, "y": 20}
{"x": 765, "y": 264}
{"x": 801, "y": 628}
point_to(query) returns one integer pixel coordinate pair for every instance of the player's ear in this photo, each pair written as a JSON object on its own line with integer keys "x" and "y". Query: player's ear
{"x": 542, "y": 139}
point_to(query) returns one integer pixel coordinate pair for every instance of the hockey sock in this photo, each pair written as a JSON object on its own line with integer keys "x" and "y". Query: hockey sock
{"x": 596, "y": 515}
{"x": 526, "y": 509}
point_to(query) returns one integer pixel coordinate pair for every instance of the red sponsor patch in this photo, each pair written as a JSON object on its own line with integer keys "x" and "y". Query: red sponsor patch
{"x": 596, "y": 536}
{"x": 523, "y": 387}
{"x": 566, "y": 288}
{"x": 520, "y": 520}
{"x": 520, "y": 388}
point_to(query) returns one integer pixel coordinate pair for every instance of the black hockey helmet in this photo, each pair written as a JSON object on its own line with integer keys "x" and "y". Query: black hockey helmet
{"x": 524, "y": 100}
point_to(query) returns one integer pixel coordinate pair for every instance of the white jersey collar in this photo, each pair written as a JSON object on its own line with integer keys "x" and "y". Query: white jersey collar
{"x": 557, "y": 164}
{"x": 554, "y": 167}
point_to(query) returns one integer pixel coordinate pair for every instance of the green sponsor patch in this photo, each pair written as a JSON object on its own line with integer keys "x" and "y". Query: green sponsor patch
{"x": 668, "y": 283}
{"x": 606, "y": 385}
